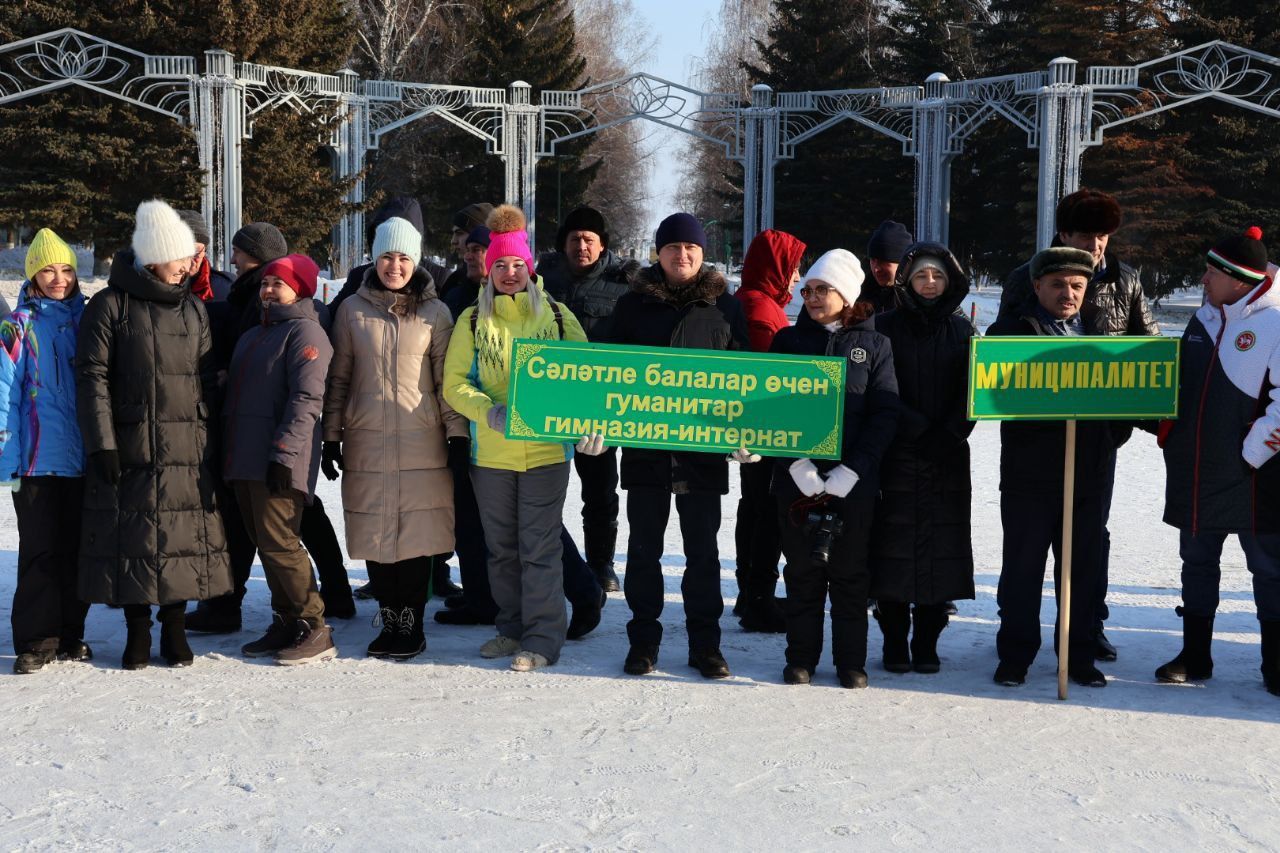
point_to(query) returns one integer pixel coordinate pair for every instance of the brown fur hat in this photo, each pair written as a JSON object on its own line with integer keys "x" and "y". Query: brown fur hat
{"x": 1089, "y": 212}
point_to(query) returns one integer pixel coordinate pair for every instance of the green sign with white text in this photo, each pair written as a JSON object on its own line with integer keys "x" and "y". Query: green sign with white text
{"x": 677, "y": 399}
{"x": 1081, "y": 378}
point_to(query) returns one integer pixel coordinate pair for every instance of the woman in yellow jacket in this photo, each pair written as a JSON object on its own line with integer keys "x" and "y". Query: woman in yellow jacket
{"x": 520, "y": 485}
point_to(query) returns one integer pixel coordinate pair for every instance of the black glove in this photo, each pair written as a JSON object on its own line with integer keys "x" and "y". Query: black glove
{"x": 279, "y": 478}
{"x": 459, "y": 454}
{"x": 331, "y": 459}
{"x": 106, "y": 464}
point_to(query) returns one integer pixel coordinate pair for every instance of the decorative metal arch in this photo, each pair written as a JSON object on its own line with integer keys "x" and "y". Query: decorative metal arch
{"x": 1060, "y": 117}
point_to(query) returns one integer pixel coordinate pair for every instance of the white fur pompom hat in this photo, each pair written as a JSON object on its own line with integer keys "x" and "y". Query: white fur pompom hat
{"x": 160, "y": 234}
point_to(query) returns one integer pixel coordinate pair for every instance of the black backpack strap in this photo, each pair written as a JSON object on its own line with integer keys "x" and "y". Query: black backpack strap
{"x": 555, "y": 309}
{"x": 475, "y": 309}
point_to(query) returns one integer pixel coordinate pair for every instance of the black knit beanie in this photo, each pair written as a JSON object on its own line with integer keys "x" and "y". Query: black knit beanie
{"x": 583, "y": 219}
{"x": 889, "y": 242}
{"x": 261, "y": 240}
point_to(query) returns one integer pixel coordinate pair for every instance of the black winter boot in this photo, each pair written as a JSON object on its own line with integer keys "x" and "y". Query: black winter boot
{"x": 385, "y": 643}
{"x": 929, "y": 620}
{"x": 1271, "y": 656}
{"x": 1193, "y": 663}
{"x": 895, "y": 623}
{"x": 442, "y": 586}
{"x": 585, "y": 617}
{"x": 137, "y": 646}
{"x": 761, "y": 613}
{"x": 173, "y": 635}
{"x": 410, "y": 641}
{"x": 219, "y": 615}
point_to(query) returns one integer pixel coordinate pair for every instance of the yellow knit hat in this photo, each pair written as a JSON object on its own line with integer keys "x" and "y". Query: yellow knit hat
{"x": 46, "y": 249}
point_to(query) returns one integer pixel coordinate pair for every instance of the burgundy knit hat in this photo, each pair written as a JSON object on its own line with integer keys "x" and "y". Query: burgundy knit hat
{"x": 297, "y": 271}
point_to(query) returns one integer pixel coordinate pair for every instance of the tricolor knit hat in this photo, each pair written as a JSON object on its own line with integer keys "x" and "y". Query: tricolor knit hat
{"x": 160, "y": 235}
{"x": 842, "y": 270}
{"x": 397, "y": 235}
{"x": 507, "y": 237}
{"x": 1241, "y": 256}
{"x": 297, "y": 271}
{"x": 46, "y": 250}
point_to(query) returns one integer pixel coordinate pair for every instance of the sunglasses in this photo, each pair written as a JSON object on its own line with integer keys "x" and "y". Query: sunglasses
{"x": 819, "y": 290}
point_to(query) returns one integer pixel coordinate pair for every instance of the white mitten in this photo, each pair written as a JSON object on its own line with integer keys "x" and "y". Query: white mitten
{"x": 806, "y": 477}
{"x": 590, "y": 445}
{"x": 840, "y": 481}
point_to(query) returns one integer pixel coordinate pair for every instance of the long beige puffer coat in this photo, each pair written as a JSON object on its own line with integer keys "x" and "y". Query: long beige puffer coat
{"x": 384, "y": 403}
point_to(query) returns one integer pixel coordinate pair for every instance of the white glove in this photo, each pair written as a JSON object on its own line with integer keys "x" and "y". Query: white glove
{"x": 497, "y": 418}
{"x": 806, "y": 477}
{"x": 591, "y": 445}
{"x": 743, "y": 456}
{"x": 840, "y": 481}
{"x": 15, "y": 484}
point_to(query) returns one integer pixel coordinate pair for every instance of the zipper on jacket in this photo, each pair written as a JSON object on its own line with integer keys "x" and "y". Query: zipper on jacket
{"x": 1204, "y": 396}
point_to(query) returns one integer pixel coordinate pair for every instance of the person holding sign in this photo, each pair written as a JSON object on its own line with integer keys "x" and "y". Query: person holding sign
{"x": 922, "y": 551}
{"x": 1220, "y": 453}
{"x": 1031, "y": 488}
{"x": 520, "y": 485}
{"x": 388, "y": 427}
{"x": 1113, "y": 305}
{"x": 677, "y": 302}
{"x": 826, "y": 507}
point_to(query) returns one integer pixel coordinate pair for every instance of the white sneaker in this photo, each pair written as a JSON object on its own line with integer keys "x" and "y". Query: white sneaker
{"x": 499, "y": 647}
{"x": 525, "y": 660}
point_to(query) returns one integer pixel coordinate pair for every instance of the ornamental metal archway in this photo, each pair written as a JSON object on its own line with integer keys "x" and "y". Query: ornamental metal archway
{"x": 1060, "y": 116}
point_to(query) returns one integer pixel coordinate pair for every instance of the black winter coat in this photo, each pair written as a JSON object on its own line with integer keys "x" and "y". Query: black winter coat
{"x": 145, "y": 385}
{"x": 870, "y": 403}
{"x": 703, "y": 316}
{"x": 921, "y": 541}
{"x": 592, "y": 296}
{"x": 1032, "y": 453}
{"x": 1113, "y": 305}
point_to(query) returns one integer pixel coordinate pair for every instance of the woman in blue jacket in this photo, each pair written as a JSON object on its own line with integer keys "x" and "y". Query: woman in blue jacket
{"x": 42, "y": 456}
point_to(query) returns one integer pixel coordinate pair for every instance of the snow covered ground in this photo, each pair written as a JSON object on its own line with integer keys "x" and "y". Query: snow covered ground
{"x": 451, "y": 751}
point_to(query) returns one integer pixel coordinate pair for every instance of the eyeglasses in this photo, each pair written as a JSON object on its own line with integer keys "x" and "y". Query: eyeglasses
{"x": 819, "y": 290}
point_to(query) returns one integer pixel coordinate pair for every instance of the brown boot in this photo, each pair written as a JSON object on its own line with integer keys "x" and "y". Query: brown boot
{"x": 310, "y": 645}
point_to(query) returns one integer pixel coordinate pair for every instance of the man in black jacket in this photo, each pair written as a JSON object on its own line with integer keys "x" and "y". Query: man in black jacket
{"x": 588, "y": 278}
{"x": 1113, "y": 305}
{"x": 885, "y": 249}
{"x": 676, "y": 303}
{"x": 1031, "y": 484}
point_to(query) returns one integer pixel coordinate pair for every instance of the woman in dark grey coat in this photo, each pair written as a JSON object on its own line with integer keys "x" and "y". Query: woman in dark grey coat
{"x": 145, "y": 380}
{"x": 921, "y": 548}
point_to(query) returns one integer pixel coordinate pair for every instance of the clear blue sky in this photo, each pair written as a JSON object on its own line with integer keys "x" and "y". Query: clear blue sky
{"x": 682, "y": 28}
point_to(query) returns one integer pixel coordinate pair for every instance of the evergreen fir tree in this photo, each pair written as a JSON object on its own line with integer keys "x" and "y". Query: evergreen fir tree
{"x": 843, "y": 181}
{"x": 529, "y": 40}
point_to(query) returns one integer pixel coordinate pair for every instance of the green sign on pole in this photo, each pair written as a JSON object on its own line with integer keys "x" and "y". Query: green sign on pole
{"x": 1073, "y": 378}
{"x": 677, "y": 399}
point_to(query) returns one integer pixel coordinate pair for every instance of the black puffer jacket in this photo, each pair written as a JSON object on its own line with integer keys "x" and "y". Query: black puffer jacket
{"x": 591, "y": 296}
{"x": 1032, "y": 453}
{"x": 701, "y": 316}
{"x": 921, "y": 544}
{"x": 145, "y": 385}
{"x": 1113, "y": 305}
{"x": 870, "y": 402}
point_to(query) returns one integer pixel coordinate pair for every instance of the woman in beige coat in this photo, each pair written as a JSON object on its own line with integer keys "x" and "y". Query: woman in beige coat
{"x": 386, "y": 425}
